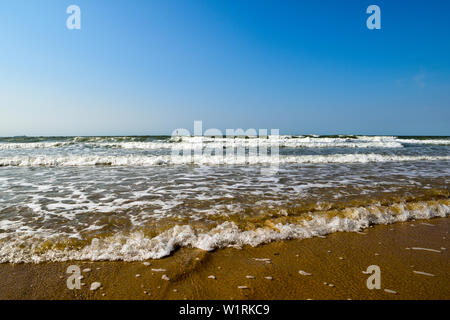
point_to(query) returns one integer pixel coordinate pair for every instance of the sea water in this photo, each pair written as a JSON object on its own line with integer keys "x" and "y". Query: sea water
{"x": 128, "y": 198}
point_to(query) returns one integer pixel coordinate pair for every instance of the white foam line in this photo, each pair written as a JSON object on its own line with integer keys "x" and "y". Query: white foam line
{"x": 33, "y": 145}
{"x": 140, "y": 160}
{"x": 424, "y": 273}
{"x": 138, "y": 247}
{"x": 390, "y": 291}
{"x": 426, "y": 249}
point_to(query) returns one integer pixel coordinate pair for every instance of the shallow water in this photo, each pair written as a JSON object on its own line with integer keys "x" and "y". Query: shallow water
{"x": 127, "y": 198}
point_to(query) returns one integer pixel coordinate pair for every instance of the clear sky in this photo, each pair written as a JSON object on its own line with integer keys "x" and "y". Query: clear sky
{"x": 148, "y": 67}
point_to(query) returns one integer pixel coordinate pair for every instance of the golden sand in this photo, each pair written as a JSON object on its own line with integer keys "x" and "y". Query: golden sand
{"x": 318, "y": 268}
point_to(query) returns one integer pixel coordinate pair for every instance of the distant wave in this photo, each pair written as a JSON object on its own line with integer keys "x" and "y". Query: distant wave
{"x": 34, "y": 145}
{"x": 154, "y": 143}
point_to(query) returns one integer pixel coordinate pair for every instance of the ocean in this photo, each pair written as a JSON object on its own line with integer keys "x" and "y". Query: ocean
{"x": 129, "y": 198}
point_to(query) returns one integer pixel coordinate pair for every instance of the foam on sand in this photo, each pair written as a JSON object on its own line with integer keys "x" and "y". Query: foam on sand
{"x": 138, "y": 247}
{"x": 426, "y": 249}
{"x": 424, "y": 273}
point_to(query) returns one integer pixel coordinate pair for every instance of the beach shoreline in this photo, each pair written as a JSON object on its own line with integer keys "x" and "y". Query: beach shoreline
{"x": 413, "y": 258}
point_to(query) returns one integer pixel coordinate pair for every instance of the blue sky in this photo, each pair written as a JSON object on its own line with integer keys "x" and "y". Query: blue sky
{"x": 148, "y": 67}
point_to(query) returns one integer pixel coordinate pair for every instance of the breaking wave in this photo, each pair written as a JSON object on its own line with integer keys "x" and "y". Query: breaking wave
{"x": 142, "y": 160}
{"x": 137, "y": 246}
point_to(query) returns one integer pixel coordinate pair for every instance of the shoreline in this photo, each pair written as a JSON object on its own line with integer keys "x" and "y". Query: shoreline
{"x": 331, "y": 268}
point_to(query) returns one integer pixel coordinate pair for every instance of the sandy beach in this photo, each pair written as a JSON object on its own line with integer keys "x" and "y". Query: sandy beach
{"x": 413, "y": 258}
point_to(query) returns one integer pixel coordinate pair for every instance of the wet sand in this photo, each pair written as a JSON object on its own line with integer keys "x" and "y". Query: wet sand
{"x": 332, "y": 268}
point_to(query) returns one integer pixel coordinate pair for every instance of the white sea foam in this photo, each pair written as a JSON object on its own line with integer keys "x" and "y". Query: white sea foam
{"x": 283, "y": 141}
{"x": 138, "y": 247}
{"x": 33, "y": 145}
{"x": 141, "y": 160}
{"x": 444, "y": 142}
